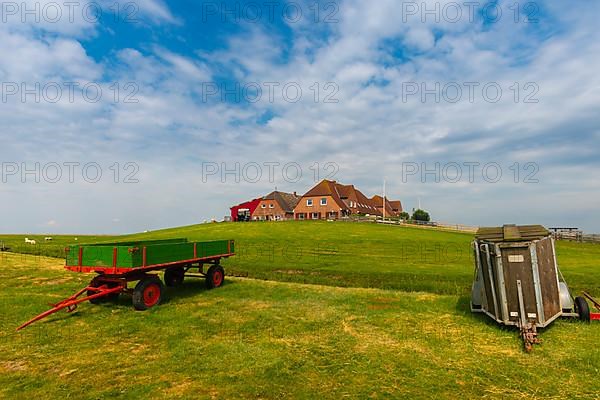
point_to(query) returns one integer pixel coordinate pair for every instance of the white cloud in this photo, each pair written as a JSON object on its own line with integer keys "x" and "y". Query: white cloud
{"x": 157, "y": 10}
{"x": 369, "y": 133}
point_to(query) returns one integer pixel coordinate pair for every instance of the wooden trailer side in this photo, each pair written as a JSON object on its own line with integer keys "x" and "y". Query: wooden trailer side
{"x": 548, "y": 278}
{"x": 516, "y": 262}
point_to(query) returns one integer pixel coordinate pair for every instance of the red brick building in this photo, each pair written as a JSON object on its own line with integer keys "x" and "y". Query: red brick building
{"x": 392, "y": 208}
{"x": 326, "y": 200}
{"x": 276, "y": 206}
{"x": 333, "y": 200}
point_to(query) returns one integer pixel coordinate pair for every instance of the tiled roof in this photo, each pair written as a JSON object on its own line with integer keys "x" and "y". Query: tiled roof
{"x": 327, "y": 188}
{"x": 287, "y": 201}
{"x": 396, "y": 205}
{"x": 347, "y": 196}
{"x": 350, "y": 198}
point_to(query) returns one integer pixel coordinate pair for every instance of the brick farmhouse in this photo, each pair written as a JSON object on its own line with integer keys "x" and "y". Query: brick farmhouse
{"x": 326, "y": 200}
{"x": 276, "y": 206}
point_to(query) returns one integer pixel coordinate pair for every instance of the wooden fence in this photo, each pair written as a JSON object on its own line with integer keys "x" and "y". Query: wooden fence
{"x": 574, "y": 234}
{"x": 433, "y": 225}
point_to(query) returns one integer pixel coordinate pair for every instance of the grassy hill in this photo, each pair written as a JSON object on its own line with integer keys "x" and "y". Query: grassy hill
{"x": 347, "y": 254}
{"x": 273, "y": 340}
{"x": 267, "y": 339}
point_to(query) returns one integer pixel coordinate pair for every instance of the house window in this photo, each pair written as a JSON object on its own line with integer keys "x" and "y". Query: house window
{"x": 271, "y": 206}
{"x": 315, "y": 215}
{"x": 309, "y": 202}
{"x": 324, "y": 201}
{"x": 300, "y": 215}
{"x": 263, "y": 206}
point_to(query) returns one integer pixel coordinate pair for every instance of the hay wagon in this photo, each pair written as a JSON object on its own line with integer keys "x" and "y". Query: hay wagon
{"x": 118, "y": 264}
{"x": 518, "y": 281}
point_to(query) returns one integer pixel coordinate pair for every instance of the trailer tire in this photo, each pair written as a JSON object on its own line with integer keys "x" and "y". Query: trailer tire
{"x": 215, "y": 277}
{"x": 147, "y": 293}
{"x": 582, "y": 308}
{"x": 174, "y": 276}
{"x": 96, "y": 282}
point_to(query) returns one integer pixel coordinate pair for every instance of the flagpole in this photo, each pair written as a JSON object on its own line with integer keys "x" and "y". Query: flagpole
{"x": 384, "y": 200}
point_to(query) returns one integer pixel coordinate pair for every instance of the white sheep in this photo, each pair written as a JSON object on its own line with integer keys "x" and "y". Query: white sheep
{"x": 28, "y": 241}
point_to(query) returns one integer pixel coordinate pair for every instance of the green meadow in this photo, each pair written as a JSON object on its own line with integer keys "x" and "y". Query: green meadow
{"x": 328, "y": 310}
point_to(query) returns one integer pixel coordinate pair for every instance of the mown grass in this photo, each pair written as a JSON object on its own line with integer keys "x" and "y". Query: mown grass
{"x": 348, "y": 254}
{"x": 258, "y": 339}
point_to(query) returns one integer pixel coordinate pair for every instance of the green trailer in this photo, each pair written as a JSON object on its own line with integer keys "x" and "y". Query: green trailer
{"x": 118, "y": 263}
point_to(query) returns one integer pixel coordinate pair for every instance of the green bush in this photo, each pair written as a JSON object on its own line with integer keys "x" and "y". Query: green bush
{"x": 421, "y": 215}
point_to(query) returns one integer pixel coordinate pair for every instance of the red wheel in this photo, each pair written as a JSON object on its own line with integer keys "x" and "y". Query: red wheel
{"x": 215, "y": 276}
{"x": 147, "y": 293}
{"x": 151, "y": 295}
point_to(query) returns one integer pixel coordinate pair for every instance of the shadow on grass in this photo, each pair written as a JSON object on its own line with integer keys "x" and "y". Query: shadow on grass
{"x": 463, "y": 308}
{"x": 191, "y": 287}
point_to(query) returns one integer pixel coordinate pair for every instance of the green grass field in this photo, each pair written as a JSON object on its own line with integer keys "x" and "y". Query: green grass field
{"x": 399, "y": 325}
{"x": 346, "y": 254}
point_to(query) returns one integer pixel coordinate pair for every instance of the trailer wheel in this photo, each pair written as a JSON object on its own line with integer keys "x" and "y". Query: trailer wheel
{"x": 215, "y": 276}
{"x": 96, "y": 282}
{"x": 582, "y": 308}
{"x": 174, "y": 276}
{"x": 147, "y": 293}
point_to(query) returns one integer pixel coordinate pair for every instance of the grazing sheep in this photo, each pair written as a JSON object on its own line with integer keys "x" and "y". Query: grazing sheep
{"x": 28, "y": 241}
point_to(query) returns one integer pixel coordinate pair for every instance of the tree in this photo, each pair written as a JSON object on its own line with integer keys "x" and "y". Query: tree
{"x": 404, "y": 215}
{"x": 421, "y": 215}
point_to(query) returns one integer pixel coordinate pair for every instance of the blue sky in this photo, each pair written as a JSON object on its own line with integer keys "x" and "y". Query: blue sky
{"x": 190, "y": 86}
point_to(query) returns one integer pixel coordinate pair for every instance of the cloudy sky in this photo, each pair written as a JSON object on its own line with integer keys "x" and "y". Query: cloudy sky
{"x": 144, "y": 114}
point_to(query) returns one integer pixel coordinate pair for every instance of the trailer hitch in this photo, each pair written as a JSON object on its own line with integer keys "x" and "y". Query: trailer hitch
{"x": 70, "y": 303}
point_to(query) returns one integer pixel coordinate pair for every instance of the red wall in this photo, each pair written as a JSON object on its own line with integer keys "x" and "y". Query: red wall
{"x": 251, "y": 205}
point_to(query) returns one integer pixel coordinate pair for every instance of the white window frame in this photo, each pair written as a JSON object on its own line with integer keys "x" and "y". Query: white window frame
{"x": 309, "y": 202}
{"x": 263, "y": 206}
{"x": 315, "y": 215}
{"x": 323, "y": 201}
{"x": 271, "y": 206}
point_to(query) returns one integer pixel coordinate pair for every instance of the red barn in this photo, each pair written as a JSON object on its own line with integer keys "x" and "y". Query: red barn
{"x": 243, "y": 212}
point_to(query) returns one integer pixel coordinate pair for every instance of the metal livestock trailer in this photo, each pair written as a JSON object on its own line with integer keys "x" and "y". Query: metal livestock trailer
{"x": 518, "y": 281}
{"x": 117, "y": 264}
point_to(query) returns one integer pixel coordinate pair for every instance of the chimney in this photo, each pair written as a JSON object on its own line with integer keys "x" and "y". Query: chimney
{"x": 295, "y": 194}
